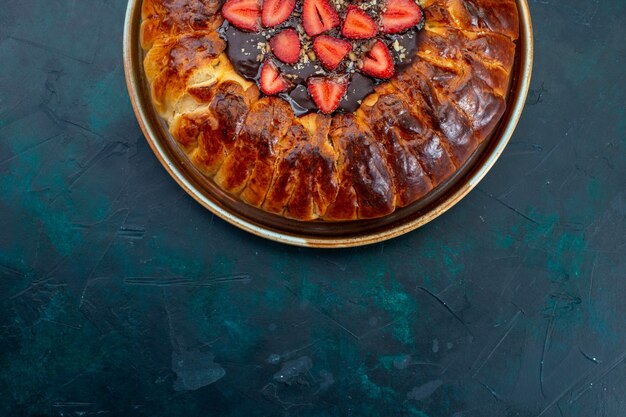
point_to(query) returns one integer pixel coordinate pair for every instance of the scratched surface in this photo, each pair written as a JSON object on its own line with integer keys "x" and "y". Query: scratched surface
{"x": 119, "y": 295}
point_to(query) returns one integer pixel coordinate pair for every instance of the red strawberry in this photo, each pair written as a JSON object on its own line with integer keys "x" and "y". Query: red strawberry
{"x": 276, "y": 12}
{"x": 330, "y": 51}
{"x": 286, "y": 46}
{"x": 399, "y": 15}
{"x": 271, "y": 81}
{"x": 377, "y": 61}
{"x": 243, "y": 14}
{"x": 327, "y": 92}
{"x": 358, "y": 24}
{"x": 318, "y": 16}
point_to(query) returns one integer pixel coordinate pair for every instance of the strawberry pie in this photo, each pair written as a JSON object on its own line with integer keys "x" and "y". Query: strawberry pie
{"x": 329, "y": 110}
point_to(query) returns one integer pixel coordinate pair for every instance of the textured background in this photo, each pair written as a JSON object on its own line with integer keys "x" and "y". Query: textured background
{"x": 119, "y": 295}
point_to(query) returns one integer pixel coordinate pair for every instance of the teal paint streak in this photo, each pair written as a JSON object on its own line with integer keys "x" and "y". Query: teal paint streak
{"x": 415, "y": 412}
{"x": 390, "y": 295}
{"x": 275, "y": 298}
{"x": 601, "y": 318}
{"x": 56, "y": 340}
{"x": 507, "y": 240}
{"x": 439, "y": 250}
{"x": 567, "y": 259}
{"x": 621, "y": 126}
{"x": 388, "y": 361}
{"x": 237, "y": 330}
{"x": 401, "y": 306}
{"x": 56, "y": 223}
{"x": 371, "y": 389}
{"x": 565, "y": 254}
{"x": 565, "y": 250}
{"x": 309, "y": 290}
{"x": 106, "y": 106}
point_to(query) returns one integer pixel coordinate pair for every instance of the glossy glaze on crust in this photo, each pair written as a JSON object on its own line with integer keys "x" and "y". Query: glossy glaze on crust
{"x": 409, "y": 135}
{"x": 162, "y": 18}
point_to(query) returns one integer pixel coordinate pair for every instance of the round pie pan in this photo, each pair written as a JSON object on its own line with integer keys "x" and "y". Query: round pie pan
{"x": 320, "y": 233}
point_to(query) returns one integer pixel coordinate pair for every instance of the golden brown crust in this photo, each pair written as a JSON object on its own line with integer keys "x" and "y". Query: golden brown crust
{"x": 211, "y": 131}
{"x": 407, "y": 137}
{"x": 163, "y": 18}
{"x": 413, "y": 132}
{"x": 390, "y": 120}
{"x": 450, "y": 122}
{"x": 497, "y": 16}
{"x": 305, "y": 180}
{"x": 488, "y": 56}
{"x": 175, "y": 63}
{"x": 248, "y": 169}
{"x": 362, "y": 172}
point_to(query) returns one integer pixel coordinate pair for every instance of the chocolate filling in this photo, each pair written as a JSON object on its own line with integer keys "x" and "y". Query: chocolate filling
{"x": 247, "y": 51}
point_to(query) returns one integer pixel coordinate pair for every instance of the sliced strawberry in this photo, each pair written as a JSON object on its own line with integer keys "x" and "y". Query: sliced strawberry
{"x": 271, "y": 81}
{"x": 330, "y": 51}
{"x": 318, "y": 16}
{"x": 243, "y": 14}
{"x": 276, "y": 12}
{"x": 377, "y": 62}
{"x": 399, "y": 15}
{"x": 358, "y": 24}
{"x": 327, "y": 92}
{"x": 286, "y": 46}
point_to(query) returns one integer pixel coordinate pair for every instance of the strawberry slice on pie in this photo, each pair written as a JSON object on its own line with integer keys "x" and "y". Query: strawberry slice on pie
{"x": 317, "y": 32}
{"x": 286, "y": 46}
{"x": 377, "y": 62}
{"x": 276, "y": 12}
{"x": 327, "y": 92}
{"x": 400, "y": 15}
{"x": 243, "y": 14}
{"x": 318, "y": 16}
{"x": 272, "y": 82}
{"x": 330, "y": 51}
{"x": 358, "y": 24}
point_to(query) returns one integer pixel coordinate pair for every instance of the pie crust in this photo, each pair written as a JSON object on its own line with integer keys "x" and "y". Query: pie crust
{"x": 407, "y": 137}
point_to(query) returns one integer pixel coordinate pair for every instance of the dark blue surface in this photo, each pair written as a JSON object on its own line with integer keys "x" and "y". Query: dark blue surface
{"x": 119, "y": 295}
